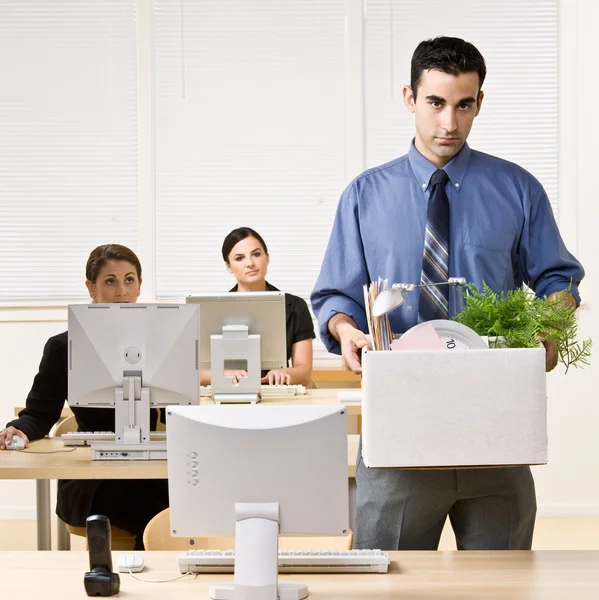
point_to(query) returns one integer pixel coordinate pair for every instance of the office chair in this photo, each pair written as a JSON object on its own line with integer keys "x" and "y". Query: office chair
{"x": 157, "y": 536}
{"x": 121, "y": 539}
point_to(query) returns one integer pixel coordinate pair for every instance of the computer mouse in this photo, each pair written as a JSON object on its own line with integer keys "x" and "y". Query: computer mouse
{"x": 17, "y": 443}
{"x": 130, "y": 562}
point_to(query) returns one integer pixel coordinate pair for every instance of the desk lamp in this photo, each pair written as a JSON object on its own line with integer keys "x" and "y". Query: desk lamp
{"x": 394, "y": 296}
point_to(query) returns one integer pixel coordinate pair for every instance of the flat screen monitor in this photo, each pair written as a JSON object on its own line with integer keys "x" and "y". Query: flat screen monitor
{"x": 262, "y": 312}
{"x": 145, "y": 352}
{"x": 257, "y": 471}
{"x": 241, "y": 332}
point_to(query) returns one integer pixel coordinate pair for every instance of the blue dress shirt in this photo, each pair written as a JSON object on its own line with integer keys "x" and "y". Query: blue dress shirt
{"x": 502, "y": 231}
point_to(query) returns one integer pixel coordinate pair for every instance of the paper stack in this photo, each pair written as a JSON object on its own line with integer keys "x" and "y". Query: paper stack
{"x": 378, "y": 327}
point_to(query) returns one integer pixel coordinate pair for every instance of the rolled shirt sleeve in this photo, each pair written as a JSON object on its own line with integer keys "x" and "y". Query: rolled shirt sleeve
{"x": 546, "y": 264}
{"x": 339, "y": 288}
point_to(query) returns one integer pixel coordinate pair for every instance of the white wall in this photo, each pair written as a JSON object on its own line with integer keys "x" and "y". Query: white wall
{"x": 569, "y": 484}
{"x": 23, "y": 333}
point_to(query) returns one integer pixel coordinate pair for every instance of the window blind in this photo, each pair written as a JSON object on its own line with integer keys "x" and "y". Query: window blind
{"x": 68, "y": 147}
{"x": 519, "y": 40}
{"x": 250, "y": 126}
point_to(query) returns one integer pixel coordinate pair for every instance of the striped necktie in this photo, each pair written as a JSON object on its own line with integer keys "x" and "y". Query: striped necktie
{"x": 434, "y": 301}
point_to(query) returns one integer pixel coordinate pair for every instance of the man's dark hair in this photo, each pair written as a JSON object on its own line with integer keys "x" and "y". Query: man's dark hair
{"x": 449, "y": 55}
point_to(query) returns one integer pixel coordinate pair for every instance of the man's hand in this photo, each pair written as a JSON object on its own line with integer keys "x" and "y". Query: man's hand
{"x": 550, "y": 355}
{"x": 352, "y": 341}
{"x": 350, "y": 338}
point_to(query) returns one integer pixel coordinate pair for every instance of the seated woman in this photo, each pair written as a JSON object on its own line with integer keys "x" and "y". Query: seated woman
{"x": 246, "y": 257}
{"x": 113, "y": 274}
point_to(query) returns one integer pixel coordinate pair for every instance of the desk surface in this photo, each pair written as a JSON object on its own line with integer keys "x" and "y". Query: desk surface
{"x": 316, "y": 396}
{"x": 541, "y": 575}
{"x": 56, "y": 461}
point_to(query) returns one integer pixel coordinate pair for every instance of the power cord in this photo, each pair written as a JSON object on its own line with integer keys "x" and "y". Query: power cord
{"x": 161, "y": 580}
{"x": 26, "y": 451}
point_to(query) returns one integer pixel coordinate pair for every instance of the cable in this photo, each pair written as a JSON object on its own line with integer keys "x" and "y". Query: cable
{"x": 160, "y": 580}
{"x": 24, "y": 451}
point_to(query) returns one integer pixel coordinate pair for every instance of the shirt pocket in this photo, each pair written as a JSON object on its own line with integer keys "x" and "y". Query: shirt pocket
{"x": 490, "y": 239}
{"x": 486, "y": 256}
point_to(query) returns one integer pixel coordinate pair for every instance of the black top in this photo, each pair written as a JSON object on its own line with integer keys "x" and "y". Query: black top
{"x": 42, "y": 410}
{"x": 299, "y": 324}
{"x": 49, "y": 392}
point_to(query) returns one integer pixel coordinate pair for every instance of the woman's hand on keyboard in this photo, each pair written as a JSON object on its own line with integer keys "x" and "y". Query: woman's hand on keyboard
{"x": 236, "y": 375}
{"x": 7, "y": 434}
{"x": 277, "y": 377}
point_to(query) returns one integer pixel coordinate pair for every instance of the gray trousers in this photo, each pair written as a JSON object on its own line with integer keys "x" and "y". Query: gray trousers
{"x": 489, "y": 509}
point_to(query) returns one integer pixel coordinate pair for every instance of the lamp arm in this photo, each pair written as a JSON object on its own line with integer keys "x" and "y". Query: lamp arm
{"x": 450, "y": 281}
{"x": 410, "y": 287}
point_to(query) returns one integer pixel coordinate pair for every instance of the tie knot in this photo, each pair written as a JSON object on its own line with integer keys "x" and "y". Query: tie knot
{"x": 439, "y": 176}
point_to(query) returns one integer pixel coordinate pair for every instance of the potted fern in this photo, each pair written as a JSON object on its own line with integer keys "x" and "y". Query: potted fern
{"x": 518, "y": 319}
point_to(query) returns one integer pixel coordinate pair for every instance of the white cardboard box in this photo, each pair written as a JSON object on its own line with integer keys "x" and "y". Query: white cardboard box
{"x": 454, "y": 408}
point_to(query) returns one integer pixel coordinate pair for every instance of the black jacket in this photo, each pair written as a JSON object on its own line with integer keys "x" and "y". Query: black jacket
{"x": 42, "y": 410}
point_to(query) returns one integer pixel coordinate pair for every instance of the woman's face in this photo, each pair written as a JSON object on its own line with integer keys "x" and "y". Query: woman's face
{"x": 117, "y": 281}
{"x": 248, "y": 262}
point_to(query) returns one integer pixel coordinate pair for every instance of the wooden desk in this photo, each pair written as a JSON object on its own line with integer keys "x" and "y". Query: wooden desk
{"x": 65, "y": 463}
{"x": 79, "y": 466}
{"x": 316, "y": 396}
{"x": 540, "y": 575}
{"x": 338, "y": 378}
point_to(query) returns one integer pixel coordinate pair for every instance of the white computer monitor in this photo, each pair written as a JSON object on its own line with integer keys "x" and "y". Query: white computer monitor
{"x": 145, "y": 352}
{"x": 257, "y": 471}
{"x": 241, "y": 331}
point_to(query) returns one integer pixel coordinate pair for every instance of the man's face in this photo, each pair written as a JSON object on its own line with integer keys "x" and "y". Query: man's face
{"x": 444, "y": 110}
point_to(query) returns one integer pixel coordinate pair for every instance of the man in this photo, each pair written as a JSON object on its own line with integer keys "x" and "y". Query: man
{"x": 496, "y": 226}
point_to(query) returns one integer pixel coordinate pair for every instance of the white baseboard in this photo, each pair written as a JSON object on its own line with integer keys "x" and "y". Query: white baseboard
{"x": 568, "y": 511}
{"x": 19, "y": 513}
{"x": 563, "y": 511}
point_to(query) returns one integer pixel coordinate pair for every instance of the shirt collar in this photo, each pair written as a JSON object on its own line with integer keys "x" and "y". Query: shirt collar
{"x": 269, "y": 288}
{"x": 423, "y": 169}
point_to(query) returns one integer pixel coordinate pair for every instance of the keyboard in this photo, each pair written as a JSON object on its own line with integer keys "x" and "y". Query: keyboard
{"x": 265, "y": 390}
{"x": 85, "y": 438}
{"x": 291, "y": 561}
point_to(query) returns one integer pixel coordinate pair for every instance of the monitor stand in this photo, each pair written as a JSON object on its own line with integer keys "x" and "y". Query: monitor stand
{"x": 132, "y": 425}
{"x": 257, "y": 558}
{"x": 235, "y": 349}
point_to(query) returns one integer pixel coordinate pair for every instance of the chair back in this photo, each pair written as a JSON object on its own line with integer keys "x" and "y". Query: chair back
{"x": 160, "y": 426}
{"x": 120, "y": 538}
{"x": 157, "y": 536}
{"x": 67, "y": 425}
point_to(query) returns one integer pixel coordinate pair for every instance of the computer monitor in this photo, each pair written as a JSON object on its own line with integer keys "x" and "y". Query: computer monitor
{"x": 257, "y": 471}
{"x": 148, "y": 353}
{"x": 241, "y": 331}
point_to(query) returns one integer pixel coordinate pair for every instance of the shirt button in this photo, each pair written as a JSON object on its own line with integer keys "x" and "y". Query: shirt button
{"x": 423, "y": 185}
{"x": 457, "y": 185}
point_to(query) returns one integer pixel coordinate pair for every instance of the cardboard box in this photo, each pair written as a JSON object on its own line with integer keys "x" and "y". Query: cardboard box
{"x": 440, "y": 408}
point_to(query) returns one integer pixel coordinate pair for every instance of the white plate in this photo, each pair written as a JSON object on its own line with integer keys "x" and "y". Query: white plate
{"x": 454, "y": 335}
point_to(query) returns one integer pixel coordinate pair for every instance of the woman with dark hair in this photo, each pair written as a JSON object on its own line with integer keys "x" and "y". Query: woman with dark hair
{"x": 246, "y": 257}
{"x": 113, "y": 274}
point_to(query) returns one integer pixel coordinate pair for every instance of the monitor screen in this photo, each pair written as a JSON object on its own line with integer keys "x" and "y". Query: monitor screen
{"x": 262, "y": 312}
{"x": 158, "y": 343}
